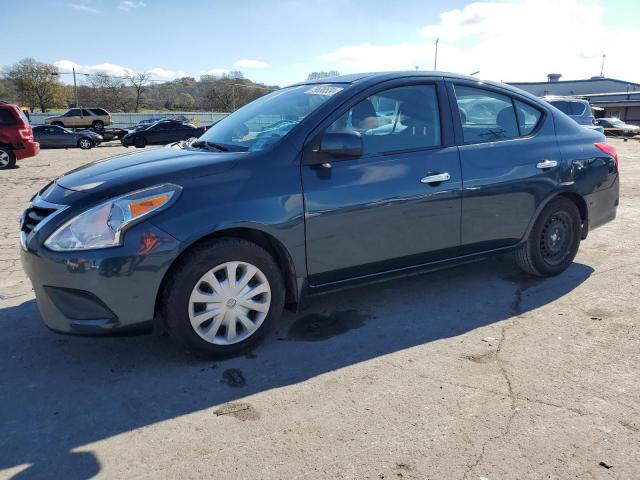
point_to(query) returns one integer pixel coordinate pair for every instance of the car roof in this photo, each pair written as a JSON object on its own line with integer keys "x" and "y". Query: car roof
{"x": 376, "y": 77}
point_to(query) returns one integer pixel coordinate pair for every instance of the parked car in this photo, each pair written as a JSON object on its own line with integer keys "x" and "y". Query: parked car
{"x": 617, "y": 128}
{"x": 96, "y": 118}
{"x": 52, "y": 136}
{"x": 211, "y": 240}
{"x": 576, "y": 108}
{"x": 162, "y": 133}
{"x": 16, "y": 136}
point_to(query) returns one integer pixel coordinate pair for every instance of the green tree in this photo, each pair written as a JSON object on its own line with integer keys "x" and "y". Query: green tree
{"x": 37, "y": 84}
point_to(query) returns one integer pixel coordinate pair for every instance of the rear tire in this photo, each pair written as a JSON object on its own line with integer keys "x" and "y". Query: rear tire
{"x": 243, "y": 315}
{"x": 98, "y": 125}
{"x": 7, "y": 158}
{"x": 553, "y": 241}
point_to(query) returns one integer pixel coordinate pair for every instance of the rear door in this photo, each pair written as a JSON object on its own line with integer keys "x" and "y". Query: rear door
{"x": 510, "y": 164}
{"x": 380, "y": 212}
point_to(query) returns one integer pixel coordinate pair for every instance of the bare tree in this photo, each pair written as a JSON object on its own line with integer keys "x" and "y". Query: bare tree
{"x": 37, "y": 83}
{"x": 138, "y": 81}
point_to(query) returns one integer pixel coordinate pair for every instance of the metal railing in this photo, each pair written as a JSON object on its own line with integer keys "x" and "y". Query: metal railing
{"x": 125, "y": 120}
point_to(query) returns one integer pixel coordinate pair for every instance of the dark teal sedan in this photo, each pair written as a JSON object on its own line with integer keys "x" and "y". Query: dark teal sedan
{"x": 313, "y": 187}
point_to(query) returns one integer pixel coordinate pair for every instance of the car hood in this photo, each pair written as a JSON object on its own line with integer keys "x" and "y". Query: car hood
{"x": 124, "y": 173}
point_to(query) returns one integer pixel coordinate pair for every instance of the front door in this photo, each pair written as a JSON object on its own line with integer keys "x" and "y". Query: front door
{"x": 510, "y": 163}
{"x": 386, "y": 209}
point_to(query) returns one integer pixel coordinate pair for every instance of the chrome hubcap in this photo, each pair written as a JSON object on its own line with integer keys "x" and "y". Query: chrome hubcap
{"x": 4, "y": 158}
{"x": 229, "y": 303}
{"x": 85, "y": 144}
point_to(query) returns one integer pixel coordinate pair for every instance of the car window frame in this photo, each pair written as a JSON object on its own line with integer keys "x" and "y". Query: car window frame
{"x": 457, "y": 121}
{"x": 446, "y": 137}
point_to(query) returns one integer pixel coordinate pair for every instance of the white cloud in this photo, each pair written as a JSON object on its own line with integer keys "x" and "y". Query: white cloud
{"x": 66, "y": 66}
{"x": 83, "y": 7}
{"x": 246, "y": 63}
{"x": 127, "y": 5}
{"x": 217, "y": 72}
{"x": 517, "y": 41}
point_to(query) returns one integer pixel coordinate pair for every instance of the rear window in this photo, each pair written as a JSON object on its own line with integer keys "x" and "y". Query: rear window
{"x": 577, "y": 108}
{"x": 7, "y": 118}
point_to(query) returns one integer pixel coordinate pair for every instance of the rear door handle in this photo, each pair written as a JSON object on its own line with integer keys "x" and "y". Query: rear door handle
{"x": 437, "y": 178}
{"x": 547, "y": 164}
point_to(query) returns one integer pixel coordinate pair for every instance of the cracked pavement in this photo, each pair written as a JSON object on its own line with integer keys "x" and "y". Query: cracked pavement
{"x": 476, "y": 372}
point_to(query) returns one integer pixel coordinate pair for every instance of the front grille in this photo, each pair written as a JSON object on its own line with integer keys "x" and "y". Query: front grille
{"x": 33, "y": 216}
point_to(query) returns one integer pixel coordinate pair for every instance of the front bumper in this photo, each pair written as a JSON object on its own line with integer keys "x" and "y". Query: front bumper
{"x": 100, "y": 291}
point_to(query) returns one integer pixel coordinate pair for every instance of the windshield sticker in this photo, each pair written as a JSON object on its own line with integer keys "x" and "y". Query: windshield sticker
{"x": 326, "y": 90}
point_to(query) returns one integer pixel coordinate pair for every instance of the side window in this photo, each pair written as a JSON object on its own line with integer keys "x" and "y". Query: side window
{"x": 528, "y": 117}
{"x": 7, "y": 118}
{"x": 74, "y": 112}
{"x": 98, "y": 111}
{"x": 576, "y": 108}
{"x": 562, "y": 106}
{"x": 485, "y": 115}
{"x": 402, "y": 118}
{"x": 86, "y": 113}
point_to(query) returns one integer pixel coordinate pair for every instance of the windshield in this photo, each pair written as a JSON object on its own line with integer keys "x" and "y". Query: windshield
{"x": 264, "y": 121}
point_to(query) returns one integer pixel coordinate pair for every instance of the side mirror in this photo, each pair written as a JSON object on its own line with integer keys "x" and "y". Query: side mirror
{"x": 342, "y": 144}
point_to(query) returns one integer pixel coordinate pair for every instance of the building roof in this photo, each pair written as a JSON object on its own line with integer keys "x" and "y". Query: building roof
{"x": 588, "y": 80}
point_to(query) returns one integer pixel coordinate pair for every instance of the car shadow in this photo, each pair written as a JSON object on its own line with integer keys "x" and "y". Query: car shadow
{"x": 59, "y": 393}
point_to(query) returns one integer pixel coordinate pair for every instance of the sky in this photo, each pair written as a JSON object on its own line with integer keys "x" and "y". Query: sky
{"x": 279, "y": 42}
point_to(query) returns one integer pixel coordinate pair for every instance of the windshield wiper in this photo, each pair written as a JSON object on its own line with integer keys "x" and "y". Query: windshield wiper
{"x": 209, "y": 145}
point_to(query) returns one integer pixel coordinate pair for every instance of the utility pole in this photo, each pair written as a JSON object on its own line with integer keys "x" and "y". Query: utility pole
{"x": 435, "y": 58}
{"x": 602, "y": 68}
{"x": 75, "y": 86}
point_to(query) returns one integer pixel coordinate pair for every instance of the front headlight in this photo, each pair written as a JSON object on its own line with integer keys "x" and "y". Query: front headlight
{"x": 102, "y": 226}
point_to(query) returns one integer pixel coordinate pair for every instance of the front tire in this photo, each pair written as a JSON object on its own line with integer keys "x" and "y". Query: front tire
{"x": 85, "y": 143}
{"x": 223, "y": 297}
{"x": 553, "y": 241}
{"x": 140, "y": 142}
{"x": 7, "y": 158}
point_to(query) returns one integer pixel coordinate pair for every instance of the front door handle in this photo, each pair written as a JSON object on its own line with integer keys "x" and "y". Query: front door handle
{"x": 437, "y": 178}
{"x": 547, "y": 164}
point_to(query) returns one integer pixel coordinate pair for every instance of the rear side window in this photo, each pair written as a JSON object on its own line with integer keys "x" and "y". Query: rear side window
{"x": 561, "y": 105}
{"x": 7, "y": 118}
{"x": 99, "y": 111}
{"x": 576, "y": 108}
{"x": 528, "y": 117}
{"x": 402, "y": 118}
{"x": 86, "y": 113}
{"x": 485, "y": 115}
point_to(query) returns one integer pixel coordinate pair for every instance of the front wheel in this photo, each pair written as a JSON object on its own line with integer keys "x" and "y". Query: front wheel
{"x": 553, "y": 241}
{"x": 223, "y": 297}
{"x": 7, "y": 158}
{"x": 140, "y": 142}
{"x": 85, "y": 143}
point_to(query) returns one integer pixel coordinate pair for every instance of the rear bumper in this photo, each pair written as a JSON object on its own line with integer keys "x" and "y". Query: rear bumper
{"x": 101, "y": 291}
{"x": 603, "y": 205}
{"x": 29, "y": 149}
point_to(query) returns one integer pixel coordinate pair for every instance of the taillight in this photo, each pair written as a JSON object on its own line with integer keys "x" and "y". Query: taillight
{"x": 593, "y": 121}
{"x": 609, "y": 150}
{"x": 26, "y": 133}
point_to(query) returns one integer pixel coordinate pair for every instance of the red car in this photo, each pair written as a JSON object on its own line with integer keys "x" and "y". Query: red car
{"x": 16, "y": 136}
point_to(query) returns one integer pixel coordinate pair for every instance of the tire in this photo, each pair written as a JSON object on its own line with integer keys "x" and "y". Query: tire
{"x": 98, "y": 125}
{"x": 209, "y": 335}
{"x": 85, "y": 143}
{"x": 553, "y": 241}
{"x": 7, "y": 158}
{"x": 140, "y": 142}
{"x": 58, "y": 123}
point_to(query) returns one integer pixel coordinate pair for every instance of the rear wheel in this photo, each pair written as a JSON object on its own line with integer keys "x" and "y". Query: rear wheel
{"x": 85, "y": 143}
{"x": 553, "y": 241}
{"x": 7, "y": 158}
{"x": 223, "y": 297}
{"x": 98, "y": 125}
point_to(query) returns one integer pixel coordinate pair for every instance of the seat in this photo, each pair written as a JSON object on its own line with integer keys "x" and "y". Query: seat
{"x": 506, "y": 123}
{"x": 364, "y": 116}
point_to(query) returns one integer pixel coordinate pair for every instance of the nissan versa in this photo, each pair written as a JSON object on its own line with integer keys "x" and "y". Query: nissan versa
{"x": 311, "y": 187}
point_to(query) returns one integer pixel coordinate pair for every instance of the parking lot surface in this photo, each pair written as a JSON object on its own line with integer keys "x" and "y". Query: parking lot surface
{"x": 468, "y": 373}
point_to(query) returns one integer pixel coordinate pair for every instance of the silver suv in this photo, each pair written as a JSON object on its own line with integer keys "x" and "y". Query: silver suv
{"x": 578, "y": 109}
